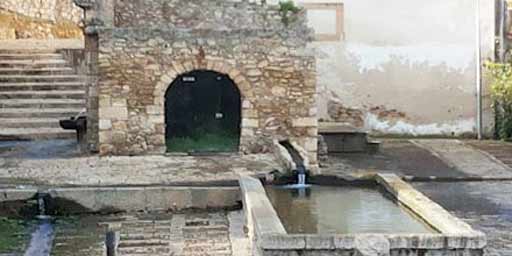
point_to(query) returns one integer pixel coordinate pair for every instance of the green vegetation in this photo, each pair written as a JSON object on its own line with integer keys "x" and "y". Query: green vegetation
{"x": 288, "y": 9}
{"x": 13, "y": 235}
{"x": 204, "y": 143}
{"x": 500, "y": 75}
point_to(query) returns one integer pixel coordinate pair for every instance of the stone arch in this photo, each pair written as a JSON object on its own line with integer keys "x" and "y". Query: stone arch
{"x": 222, "y": 67}
{"x": 248, "y": 115}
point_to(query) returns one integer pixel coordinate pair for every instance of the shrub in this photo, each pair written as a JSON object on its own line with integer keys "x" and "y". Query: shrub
{"x": 500, "y": 75}
{"x": 288, "y": 9}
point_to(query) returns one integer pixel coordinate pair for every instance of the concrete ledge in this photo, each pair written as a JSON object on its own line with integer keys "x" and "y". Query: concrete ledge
{"x": 112, "y": 199}
{"x": 17, "y": 194}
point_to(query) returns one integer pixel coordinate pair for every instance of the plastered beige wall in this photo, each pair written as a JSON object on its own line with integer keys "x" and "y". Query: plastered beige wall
{"x": 405, "y": 66}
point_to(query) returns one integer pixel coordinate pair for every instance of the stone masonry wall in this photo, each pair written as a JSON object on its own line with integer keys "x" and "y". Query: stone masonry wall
{"x": 53, "y": 10}
{"x": 141, "y": 57}
{"x": 196, "y": 14}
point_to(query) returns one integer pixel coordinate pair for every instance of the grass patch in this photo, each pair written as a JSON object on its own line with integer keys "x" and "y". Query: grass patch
{"x": 205, "y": 143}
{"x": 13, "y": 235}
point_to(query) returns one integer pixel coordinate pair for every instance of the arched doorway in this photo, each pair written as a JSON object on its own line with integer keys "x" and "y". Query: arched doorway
{"x": 202, "y": 113}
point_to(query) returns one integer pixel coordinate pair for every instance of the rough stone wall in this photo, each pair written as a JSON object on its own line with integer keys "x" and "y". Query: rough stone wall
{"x": 266, "y": 61}
{"x": 53, "y": 10}
{"x": 195, "y": 14}
{"x": 17, "y": 26}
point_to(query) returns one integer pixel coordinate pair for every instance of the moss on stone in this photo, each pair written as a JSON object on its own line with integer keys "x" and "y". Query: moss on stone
{"x": 13, "y": 235}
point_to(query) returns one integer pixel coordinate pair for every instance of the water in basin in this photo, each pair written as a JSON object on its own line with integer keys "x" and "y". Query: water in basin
{"x": 341, "y": 210}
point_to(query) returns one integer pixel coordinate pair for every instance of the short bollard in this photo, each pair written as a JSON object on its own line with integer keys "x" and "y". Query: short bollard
{"x": 112, "y": 242}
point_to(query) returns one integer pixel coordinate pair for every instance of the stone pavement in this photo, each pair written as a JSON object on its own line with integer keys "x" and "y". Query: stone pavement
{"x": 466, "y": 159}
{"x": 139, "y": 170}
{"x": 500, "y": 150}
{"x": 398, "y": 156}
{"x": 486, "y": 206}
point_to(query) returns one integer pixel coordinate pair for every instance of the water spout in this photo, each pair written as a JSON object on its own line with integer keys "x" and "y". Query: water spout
{"x": 301, "y": 179}
{"x": 299, "y": 164}
{"x": 41, "y": 205}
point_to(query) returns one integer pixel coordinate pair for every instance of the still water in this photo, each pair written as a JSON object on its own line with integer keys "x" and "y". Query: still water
{"x": 341, "y": 210}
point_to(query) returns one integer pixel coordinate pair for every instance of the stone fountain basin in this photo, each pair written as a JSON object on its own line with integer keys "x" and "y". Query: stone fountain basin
{"x": 451, "y": 236}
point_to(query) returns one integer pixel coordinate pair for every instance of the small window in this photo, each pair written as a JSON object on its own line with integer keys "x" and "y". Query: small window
{"x": 326, "y": 19}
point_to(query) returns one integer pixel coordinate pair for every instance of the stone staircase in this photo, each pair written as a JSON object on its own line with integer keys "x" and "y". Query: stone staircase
{"x": 37, "y": 89}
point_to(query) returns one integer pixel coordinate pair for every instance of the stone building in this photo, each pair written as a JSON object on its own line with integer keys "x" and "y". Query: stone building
{"x": 142, "y": 54}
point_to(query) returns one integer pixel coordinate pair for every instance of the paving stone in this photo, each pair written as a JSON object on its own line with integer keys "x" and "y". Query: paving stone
{"x": 140, "y": 170}
{"x": 466, "y": 159}
{"x": 486, "y": 206}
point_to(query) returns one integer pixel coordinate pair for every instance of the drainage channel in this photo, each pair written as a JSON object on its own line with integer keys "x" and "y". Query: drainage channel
{"x": 94, "y": 221}
{"x": 42, "y": 239}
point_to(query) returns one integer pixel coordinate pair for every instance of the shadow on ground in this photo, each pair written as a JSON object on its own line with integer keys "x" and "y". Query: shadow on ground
{"x": 397, "y": 156}
{"x": 45, "y": 149}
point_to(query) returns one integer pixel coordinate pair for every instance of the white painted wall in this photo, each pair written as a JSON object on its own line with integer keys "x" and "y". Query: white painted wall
{"x": 412, "y": 57}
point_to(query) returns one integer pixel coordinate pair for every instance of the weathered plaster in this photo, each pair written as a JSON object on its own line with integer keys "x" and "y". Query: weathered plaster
{"x": 417, "y": 60}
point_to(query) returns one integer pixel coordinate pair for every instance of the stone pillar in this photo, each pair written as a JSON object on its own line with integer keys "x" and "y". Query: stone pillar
{"x": 91, "y": 53}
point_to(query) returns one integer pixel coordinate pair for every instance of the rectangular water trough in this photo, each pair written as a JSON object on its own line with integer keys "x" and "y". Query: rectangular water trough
{"x": 449, "y": 236}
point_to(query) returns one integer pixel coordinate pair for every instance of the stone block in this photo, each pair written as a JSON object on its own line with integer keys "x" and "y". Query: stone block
{"x": 116, "y": 102}
{"x": 250, "y": 123}
{"x": 344, "y": 242}
{"x": 317, "y": 242}
{"x": 105, "y": 137}
{"x": 7, "y": 33}
{"x": 283, "y": 242}
{"x": 305, "y": 122}
{"x": 105, "y": 124}
{"x": 113, "y": 113}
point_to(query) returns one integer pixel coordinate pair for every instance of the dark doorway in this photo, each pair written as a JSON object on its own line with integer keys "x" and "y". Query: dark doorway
{"x": 202, "y": 113}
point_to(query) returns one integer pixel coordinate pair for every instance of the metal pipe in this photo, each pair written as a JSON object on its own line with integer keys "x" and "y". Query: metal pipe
{"x": 479, "y": 123}
{"x": 502, "y": 22}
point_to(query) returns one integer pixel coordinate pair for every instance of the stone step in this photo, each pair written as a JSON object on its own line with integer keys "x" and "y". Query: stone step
{"x": 59, "y": 113}
{"x": 30, "y": 56}
{"x": 37, "y": 71}
{"x": 32, "y": 63}
{"x": 28, "y": 51}
{"x": 42, "y": 103}
{"x": 35, "y": 78}
{"x": 29, "y": 123}
{"x": 41, "y": 86}
{"x": 35, "y": 134}
{"x": 53, "y": 94}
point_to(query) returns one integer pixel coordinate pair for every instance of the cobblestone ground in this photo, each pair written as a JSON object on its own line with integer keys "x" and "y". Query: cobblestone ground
{"x": 188, "y": 234}
{"x": 484, "y": 205}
